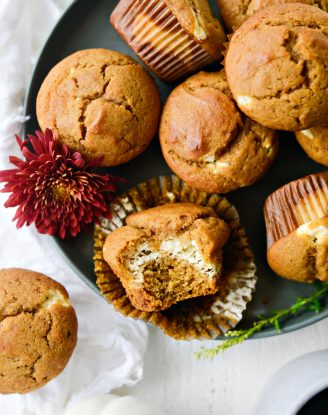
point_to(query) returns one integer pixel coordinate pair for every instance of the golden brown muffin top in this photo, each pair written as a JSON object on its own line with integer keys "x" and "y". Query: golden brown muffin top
{"x": 169, "y": 217}
{"x": 205, "y": 118}
{"x": 38, "y": 330}
{"x": 234, "y": 13}
{"x": 206, "y": 139}
{"x": 197, "y": 19}
{"x": 101, "y": 103}
{"x": 276, "y": 64}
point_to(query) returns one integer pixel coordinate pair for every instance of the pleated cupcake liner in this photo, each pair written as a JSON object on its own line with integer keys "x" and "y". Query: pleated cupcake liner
{"x": 225, "y": 49}
{"x": 323, "y": 5}
{"x": 203, "y": 317}
{"x": 156, "y": 36}
{"x": 299, "y": 202}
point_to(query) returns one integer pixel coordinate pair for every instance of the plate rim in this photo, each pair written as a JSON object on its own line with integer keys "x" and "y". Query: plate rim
{"x": 266, "y": 333}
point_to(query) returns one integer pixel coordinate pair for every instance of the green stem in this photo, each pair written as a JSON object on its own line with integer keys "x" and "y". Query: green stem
{"x": 237, "y": 337}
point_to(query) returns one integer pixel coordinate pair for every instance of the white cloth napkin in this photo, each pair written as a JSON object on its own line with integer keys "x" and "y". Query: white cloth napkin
{"x": 110, "y": 348}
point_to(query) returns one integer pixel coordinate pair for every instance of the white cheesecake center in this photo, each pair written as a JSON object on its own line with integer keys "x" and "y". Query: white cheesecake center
{"x": 55, "y": 297}
{"x": 317, "y": 232}
{"x": 308, "y": 134}
{"x": 244, "y": 100}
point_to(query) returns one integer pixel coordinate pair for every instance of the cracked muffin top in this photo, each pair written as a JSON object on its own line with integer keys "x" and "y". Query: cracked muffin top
{"x": 208, "y": 142}
{"x": 38, "y": 330}
{"x": 276, "y": 67}
{"x": 234, "y": 13}
{"x": 100, "y": 103}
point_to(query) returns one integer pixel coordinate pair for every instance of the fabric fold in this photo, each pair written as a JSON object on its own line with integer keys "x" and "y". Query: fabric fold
{"x": 110, "y": 348}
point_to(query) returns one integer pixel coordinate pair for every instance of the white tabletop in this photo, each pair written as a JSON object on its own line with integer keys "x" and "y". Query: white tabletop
{"x": 231, "y": 384}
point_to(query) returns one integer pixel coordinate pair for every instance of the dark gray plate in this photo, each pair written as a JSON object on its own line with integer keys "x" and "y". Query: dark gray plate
{"x": 86, "y": 25}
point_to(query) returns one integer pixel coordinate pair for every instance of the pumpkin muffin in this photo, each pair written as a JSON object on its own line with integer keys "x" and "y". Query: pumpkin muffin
{"x": 234, "y": 13}
{"x": 168, "y": 254}
{"x": 208, "y": 142}
{"x": 276, "y": 67}
{"x": 315, "y": 143}
{"x": 296, "y": 218}
{"x": 172, "y": 37}
{"x": 100, "y": 103}
{"x": 196, "y": 318}
{"x": 38, "y": 330}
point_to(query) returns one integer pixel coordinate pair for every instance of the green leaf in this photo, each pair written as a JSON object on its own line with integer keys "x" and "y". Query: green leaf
{"x": 275, "y": 318}
{"x": 277, "y": 326}
{"x": 316, "y": 306}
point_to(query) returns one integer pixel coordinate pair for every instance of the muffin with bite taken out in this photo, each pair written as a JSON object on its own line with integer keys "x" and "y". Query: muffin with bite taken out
{"x": 168, "y": 254}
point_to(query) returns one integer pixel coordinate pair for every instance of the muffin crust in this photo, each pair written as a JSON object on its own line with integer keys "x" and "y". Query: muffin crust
{"x": 297, "y": 229}
{"x": 38, "y": 330}
{"x": 100, "y": 103}
{"x": 303, "y": 254}
{"x": 234, "y": 13}
{"x": 208, "y": 142}
{"x": 197, "y": 19}
{"x": 314, "y": 142}
{"x": 276, "y": 67}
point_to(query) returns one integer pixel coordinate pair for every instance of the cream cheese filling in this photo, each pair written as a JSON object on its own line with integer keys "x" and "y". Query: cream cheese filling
{"x": 55, "y": 297}
{"x": 317, "y": 232}
{"x": 244, "y": 100}
{"x": 215, "y": 166}
{"x": 189, "y": 252}
{"x": 199, "y": 31}
{"x": 308, "y": 134}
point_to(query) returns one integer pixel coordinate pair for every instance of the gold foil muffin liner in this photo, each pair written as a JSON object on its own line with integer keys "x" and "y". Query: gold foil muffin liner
{"x": 202, "y": 317}
{"x": 299, "y": 202}
{"x": 156, "y": 36}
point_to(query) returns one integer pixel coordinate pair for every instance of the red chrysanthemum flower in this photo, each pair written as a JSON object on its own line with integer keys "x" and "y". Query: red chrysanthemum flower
{"x": 54, "y": 188}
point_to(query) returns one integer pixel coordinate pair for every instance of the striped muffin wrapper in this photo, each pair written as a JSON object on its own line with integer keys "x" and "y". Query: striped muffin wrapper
{"x": 299, "y": 202}
{"x": 202, "y": 317}
{"x": 323, "y": 4}
{"x": 156, "y": 36}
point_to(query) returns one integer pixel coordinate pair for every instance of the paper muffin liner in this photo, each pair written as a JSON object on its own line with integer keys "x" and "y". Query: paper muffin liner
{"x": 225, "y": 49}
{"x": 202, "y": 317}
{"x": 299, "y": 202}
{"x": 156, "y": 36}
{"x": 323, "y": 4}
